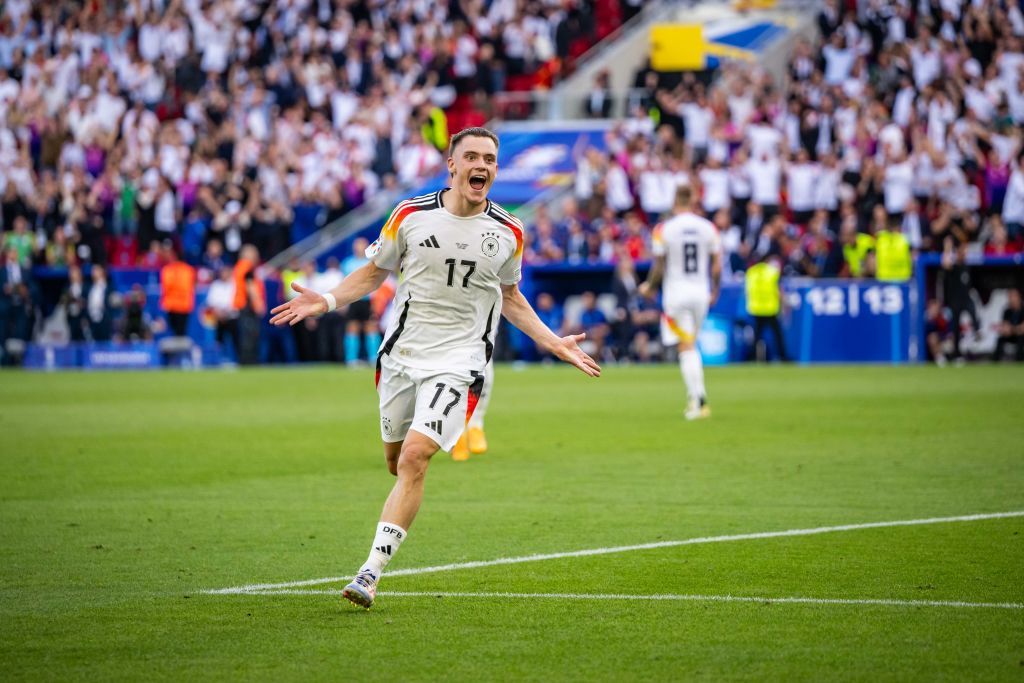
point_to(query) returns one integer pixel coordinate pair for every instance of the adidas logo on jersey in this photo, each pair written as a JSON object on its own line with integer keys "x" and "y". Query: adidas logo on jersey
{"x": 435, "y": 425}
{"x": 386, "y": 549}
{"x": 432, "y": 242}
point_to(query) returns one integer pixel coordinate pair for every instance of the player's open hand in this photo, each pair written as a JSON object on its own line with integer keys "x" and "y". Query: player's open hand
{"x": 308, "y": 303}
{"x": 568, "y": 349}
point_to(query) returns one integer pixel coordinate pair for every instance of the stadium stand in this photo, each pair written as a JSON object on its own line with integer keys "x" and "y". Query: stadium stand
{"x": 128, "y": 127}
{"x": 901, "y": 115}
{"x": 129, "y": 123}
{"x": 209, "y": 124}
{"x": 898, "y": 119}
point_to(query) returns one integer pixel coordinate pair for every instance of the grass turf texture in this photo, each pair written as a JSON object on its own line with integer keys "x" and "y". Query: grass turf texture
{"x": 124, "y": 495}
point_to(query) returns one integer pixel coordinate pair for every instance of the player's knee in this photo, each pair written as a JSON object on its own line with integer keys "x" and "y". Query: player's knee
{"x": 413, "y": 461}
{"x": 411, "y": 469}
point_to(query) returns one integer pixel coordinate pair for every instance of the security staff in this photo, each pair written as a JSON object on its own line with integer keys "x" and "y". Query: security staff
{"x": 764, "y": 302}
{"x": 434, "y": 126}
{"x": 856, "y": 247}
{"x": 893, "y": 262}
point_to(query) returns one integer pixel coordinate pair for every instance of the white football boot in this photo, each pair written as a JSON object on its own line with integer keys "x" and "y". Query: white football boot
{"x": 362, "y": 590}
{"x": 697, "y": 409}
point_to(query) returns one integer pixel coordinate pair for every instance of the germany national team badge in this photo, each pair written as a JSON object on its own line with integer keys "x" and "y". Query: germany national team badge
{"x": 490, "y": 244}
{"x": 385, "y": 424}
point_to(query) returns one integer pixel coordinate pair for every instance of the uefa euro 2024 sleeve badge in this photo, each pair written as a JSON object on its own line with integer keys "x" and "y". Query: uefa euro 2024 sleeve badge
{"x": 489, "y": 247}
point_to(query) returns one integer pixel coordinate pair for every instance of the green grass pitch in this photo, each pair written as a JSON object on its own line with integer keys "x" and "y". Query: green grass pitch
{"x": 124, "y": 496}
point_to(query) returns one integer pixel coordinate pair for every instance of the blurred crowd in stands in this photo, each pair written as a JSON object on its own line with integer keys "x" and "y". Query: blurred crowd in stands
{"x": 898, "y": 128}
{"x": 135, "y": 132}
{"x": 908, "y": 115}
{"x": 125, "y": 123}
{"x": 200, "y": 135}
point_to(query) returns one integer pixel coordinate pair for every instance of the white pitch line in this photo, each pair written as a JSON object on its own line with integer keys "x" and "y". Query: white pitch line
{"x": 621, "y": 549}
{"x": 886, "y": 602}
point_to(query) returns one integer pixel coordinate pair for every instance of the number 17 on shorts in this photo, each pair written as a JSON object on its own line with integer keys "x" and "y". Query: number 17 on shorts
{"x": 436, "y": 405}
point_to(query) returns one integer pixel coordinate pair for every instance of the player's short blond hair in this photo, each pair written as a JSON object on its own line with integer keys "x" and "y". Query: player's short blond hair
{"x": 684, "y": 195}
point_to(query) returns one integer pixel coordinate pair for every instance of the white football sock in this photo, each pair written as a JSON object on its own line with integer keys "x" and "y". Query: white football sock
{"x": 385, "y": 544}
{"x": 693, "y": 373}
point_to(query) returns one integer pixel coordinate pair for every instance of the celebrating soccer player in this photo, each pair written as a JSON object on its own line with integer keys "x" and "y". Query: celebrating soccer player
{"x": 460, "y": 256}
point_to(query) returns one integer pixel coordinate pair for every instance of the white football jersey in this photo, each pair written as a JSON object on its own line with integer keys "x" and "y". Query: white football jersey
{"x": 451, "y": 269}
{"x": 687, "y": 242}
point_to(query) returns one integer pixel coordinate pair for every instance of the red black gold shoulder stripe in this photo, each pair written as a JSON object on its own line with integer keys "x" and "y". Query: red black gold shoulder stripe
{"x": 509, "y": 221}
{"x": 421, "y": 203}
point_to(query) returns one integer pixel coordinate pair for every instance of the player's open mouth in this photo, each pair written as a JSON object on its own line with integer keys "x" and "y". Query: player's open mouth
{"x": 477, "y": 182}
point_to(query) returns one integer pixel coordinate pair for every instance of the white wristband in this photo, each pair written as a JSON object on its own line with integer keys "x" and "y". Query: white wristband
{"x": 332, "y": 303}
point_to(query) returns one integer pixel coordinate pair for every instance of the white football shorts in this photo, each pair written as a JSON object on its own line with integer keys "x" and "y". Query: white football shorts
{"x": 682, "y": 321}
{"x": 436, "y": 404}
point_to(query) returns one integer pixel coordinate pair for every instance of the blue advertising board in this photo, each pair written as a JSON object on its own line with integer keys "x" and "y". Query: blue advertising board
{"x": 823, "y": 321}
{"x": 140, "y": 355}
{"x": 833, "y": 321}
{"x": 111, "y": 356}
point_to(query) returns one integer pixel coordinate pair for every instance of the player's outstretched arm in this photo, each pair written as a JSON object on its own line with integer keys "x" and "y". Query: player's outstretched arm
{"x": 520, "y": 313}
{"x": 309, "y": 303}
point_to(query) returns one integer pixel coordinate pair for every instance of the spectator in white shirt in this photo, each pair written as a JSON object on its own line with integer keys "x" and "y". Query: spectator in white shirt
{"x": 739, "y": 185}
{"x": 903, "y": 104}
{"x": 698, "y": 119}
{"x": 765, "y": 183}
{"x": 890, "y": 142}
{"x": 801, "y": 176}
{"x": 839, "y": 59}
{"x": 416, "y": 158}
{"x": 714, "y": 180}
{"x": 617, "y": 192}
{"x": 926, "y": 63}
{"x": 331, "y": 276}
{"x": 1013, "y": 204}
{"x": 639, "y": 123}
{"x": 897, "y": 186}
{"x": 657, "y": 189}
{"x": 220, "y": 300}
{"x": 765, "y": 140}
{"x": 826, "y": 187}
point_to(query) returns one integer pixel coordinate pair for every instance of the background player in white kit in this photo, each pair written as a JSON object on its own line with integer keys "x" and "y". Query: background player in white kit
{"x": 460, "y": 258}
{"x": 684, "y": 247}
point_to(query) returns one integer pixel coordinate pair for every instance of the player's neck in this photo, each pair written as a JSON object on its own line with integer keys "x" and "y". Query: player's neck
{"x": 458, "y": 205}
